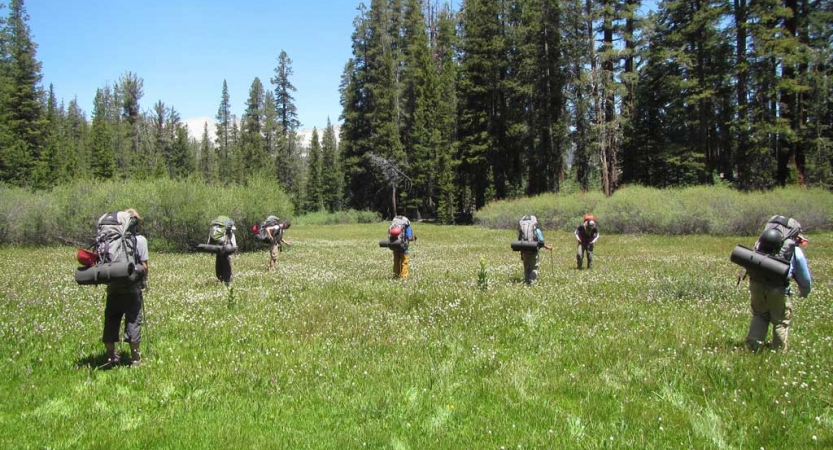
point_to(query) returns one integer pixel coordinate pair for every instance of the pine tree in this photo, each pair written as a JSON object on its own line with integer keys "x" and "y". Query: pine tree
{"x": 444, "y": 47}
{"x": 252, "y": 156}
{"x": 355, "y": 129}
{"x": 483, "y": 68}
{"x": 77, "y": 162}
{"x": 284, "y": 100}
{"x": 206, "y": 160}
{"x": 331, "y": 175}
{"x": 23, "y": 122}
{"x": 180, "y": 158}
{"x": 223, "y": 137}
{"x": 102, "y": 156}
{"x": 131, "y": 89}
{"x": 382, "y": 96}
{"x": 315, "y": 191}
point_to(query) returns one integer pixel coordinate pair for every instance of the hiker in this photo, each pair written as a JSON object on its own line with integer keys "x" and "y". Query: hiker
{"x": 124, "y": 298}
{"x": 770, "y": 298}
{"x": 275, "y": 233}
{"x": 529, "y": 230}
{"x": 400, "y": 235}
{"x": 587, "y": 234}
{"x": 222, "y": 234}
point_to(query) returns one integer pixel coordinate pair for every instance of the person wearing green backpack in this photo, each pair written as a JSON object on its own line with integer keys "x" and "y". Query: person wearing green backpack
{"x": 222, "y": 233}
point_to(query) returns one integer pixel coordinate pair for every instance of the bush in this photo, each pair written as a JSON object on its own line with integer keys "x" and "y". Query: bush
{"x": 349, "y": 217}
{"x": 694, "y": 210}
{"x": 176, "y": 214}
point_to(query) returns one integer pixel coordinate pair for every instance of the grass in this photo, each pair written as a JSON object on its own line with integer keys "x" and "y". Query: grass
{"x": 644, "y": 351}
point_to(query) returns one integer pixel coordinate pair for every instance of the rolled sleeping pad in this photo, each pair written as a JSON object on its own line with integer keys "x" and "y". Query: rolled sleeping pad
{"x": 525, "y": 246}
{"x": 215, "y": 249}
{"x": 393, "y": 245}
{"x": 105, "y": 273}
{"x": 760, "y": 265}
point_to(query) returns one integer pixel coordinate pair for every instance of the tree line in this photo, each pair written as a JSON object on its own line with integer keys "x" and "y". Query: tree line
{"x": 445, "y": 109}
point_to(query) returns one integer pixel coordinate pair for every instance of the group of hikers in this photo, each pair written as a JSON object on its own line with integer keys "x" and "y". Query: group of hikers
{"x": 120, "y": 260}
{"x": 223, "y": 242}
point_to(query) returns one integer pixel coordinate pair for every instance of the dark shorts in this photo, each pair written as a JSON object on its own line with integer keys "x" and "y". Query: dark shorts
{"x": 222, "y": 268}
{"x": 129, "y": 306}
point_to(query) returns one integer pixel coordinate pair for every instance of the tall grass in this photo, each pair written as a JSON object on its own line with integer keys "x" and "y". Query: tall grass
{"x": 645, "y": 351}
{"x": 695, "y": 210}
{"x": 176, "y": 213}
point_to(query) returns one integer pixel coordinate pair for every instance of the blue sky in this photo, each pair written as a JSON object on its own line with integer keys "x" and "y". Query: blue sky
{"x": 184, "y": 49}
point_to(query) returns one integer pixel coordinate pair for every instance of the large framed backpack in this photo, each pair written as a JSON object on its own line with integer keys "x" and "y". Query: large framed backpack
{"x": 260, "y": 234}
{"x": 527, "y": 235}
{"x": 113, "y": 255}
{"x": 219, "y": 237}
{"x": 397, "y": 234}
{"x": 769, "y": 260}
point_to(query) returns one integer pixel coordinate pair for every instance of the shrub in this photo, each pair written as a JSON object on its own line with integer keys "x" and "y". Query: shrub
{"x": 349, "y": 217}
{"x": 176, "y": 213}
{"x": 694, "y": 210}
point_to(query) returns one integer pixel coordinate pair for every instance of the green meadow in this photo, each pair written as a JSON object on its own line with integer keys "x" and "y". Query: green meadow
{"x": 643, "y": 352}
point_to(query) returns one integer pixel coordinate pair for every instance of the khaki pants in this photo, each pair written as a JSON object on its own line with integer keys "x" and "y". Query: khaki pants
{"x": 274, "y": 251}
{"x": 531, "y": 263}
{"x": 770, "y": 304}
{"x": 400, "y": 265}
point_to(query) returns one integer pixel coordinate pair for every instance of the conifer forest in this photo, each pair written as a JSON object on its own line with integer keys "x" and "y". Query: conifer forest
{"x": 446, "y": 107}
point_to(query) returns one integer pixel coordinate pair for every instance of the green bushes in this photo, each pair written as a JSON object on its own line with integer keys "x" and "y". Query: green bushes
{"x": 349, "y": 217}
{"x": 695, "y": 210}
{"x": 176, "y": 213}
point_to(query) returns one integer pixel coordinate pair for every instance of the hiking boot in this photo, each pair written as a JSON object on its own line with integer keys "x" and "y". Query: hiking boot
{"x": 112, "y": 361}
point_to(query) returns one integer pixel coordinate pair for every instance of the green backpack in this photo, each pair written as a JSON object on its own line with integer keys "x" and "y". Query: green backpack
{"x": 220, "y": 231}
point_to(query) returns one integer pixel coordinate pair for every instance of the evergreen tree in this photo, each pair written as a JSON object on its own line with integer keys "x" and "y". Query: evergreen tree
{"x": 252, "y": 155}
{"x": 315, "y": 188}
{"x": 223, "y": 136}
{"x": 131, "y": 90}
{"x": 444, "y": 128}
{"x": 273, "y": 139}
{"x": 180, "y": 158}
{"x": 331, "y": 179}
{"x": 77, "y": 161}
{"x": 382, "y": 96}
{"x": 284, "y": 100}
{"x": 481, "y": 97}
{"x": 206, "y": 160}
{"x": 355, "y": 128}
{"x": 23, "y": 122}
{"x": 102, "y": 155}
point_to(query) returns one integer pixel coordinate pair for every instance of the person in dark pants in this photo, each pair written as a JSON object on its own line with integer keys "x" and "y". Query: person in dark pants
{"x": 222, "y": 264}
{"x": 125, "y": 300}
{"x": 587, "y": 234}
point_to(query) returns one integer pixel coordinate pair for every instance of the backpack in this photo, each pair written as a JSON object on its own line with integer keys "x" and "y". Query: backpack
{"x": 790, "y": 229}
{"x": 260, "y": 231}
{"x": 526, "y": 229}
{"x": 588, "y": 217}
{"x": 115, "y": 239}
{"x": 113, "y": 259}
{"x": 220, "y": 230}
{"x": 398, "y": 230}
